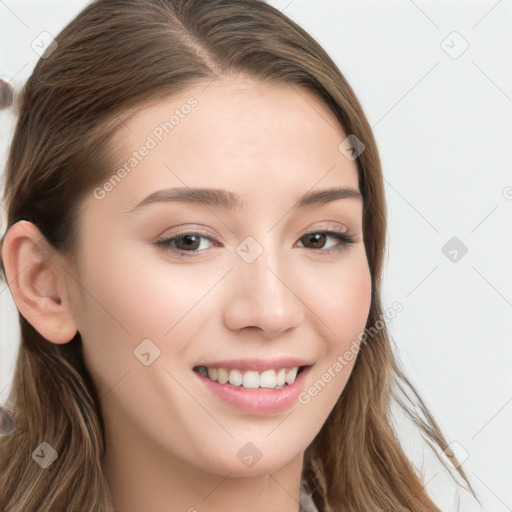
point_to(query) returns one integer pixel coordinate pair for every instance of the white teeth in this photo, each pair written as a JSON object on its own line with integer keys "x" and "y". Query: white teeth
{"x": 222, "y": 375}
{"x": 281, "y": 377}
{"x": 291, "y": 375}
{"x": 267, "y": 379}
{"x": 235, "y": 377}
{"x": 250, "y": 379}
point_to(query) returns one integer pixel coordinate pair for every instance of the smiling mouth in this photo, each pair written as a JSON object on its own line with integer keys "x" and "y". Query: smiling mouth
{"x": 250, "y": 379}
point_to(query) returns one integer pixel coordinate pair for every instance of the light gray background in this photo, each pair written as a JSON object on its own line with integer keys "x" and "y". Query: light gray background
{"x": 443, "y": 126}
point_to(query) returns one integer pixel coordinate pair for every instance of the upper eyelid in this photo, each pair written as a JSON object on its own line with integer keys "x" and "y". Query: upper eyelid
{"x": 331, "y": 227}
{"x": 330, "y": 232}
{"x": 186, "y": 232}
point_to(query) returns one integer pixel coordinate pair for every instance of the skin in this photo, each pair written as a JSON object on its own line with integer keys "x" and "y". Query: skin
{"x": 171, "y": 444}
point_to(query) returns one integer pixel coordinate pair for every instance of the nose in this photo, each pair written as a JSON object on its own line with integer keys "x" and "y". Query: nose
{"x": 265, "y": 295}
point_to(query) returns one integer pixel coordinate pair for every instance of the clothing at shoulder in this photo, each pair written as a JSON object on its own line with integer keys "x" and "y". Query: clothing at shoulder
{"x": 306, "y": 501}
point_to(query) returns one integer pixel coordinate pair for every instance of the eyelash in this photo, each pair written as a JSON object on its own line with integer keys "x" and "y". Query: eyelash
{"x": 164, "y": 243}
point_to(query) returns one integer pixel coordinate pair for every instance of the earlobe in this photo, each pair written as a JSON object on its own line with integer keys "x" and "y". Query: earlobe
{"x": 35, "y": 276}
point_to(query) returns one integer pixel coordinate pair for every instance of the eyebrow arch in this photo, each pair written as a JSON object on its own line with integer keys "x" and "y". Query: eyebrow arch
{"x": 230, "y": 201}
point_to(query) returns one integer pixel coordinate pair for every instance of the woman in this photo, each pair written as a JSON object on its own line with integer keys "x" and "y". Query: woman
{"x": 252, "y": 371}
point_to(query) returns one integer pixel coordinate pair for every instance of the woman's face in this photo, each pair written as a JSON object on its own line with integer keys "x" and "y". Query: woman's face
{"x": 255, "y": 283}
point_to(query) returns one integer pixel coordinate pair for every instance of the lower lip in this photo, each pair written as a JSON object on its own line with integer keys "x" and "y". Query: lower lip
{"x": 261, "y": 400}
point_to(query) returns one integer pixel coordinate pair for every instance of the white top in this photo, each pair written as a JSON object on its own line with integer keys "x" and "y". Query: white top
{"x": 306, "y": 501}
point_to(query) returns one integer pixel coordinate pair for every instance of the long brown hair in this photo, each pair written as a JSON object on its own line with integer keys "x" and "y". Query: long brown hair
{"x": 114, "y": 56}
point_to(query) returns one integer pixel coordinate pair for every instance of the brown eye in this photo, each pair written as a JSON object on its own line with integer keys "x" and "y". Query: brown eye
{"x": 318, "y": 239}
{"x": 184, "y": 243}
{"x": 188, "y": 242}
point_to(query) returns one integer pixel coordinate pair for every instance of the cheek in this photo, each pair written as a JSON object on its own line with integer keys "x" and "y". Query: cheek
{"x": 131, "y": 293}
{"x": 350, "y": 304}
{"x": 342, "y": 306}
{"x": 128, "y": 301}
{"x": 341, "y": 296}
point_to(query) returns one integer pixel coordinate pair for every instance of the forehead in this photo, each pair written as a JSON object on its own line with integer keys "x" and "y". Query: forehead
{"x": 233, "y": 108}
{"x": 233, "y": 133}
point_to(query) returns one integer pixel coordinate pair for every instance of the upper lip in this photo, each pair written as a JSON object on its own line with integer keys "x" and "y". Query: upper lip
{"x": 258, "y": 364}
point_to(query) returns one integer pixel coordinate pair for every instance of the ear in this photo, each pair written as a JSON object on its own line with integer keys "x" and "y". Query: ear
{"x": 36, "y": 277}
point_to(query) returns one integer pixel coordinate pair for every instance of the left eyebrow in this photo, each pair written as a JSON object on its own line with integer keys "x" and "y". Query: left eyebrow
{"x": 327, "y": 195}
{"x": 229, "y": 200}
